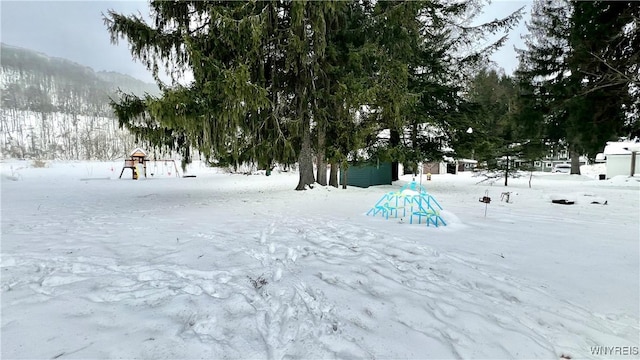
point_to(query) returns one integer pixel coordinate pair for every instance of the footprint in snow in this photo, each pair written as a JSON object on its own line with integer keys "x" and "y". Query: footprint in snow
{"x": 278, "y": 274}
{"x": 292, "y": 255}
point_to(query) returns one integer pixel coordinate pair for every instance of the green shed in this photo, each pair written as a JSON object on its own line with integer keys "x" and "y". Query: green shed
{"x": 366, "y": 175}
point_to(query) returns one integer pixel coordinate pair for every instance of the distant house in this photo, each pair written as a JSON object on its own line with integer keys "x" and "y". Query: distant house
{"x": 434, "y": 167}
{"x": 466, "y": 164}
{"x": 449, "y": 166}
{"x": 556, "y": 157}
{"x": 431, "y": 134}
{"x": 617, "y": 155}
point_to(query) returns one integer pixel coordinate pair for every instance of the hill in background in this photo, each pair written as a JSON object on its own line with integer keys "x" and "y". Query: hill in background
{"x": 56, "y": 108}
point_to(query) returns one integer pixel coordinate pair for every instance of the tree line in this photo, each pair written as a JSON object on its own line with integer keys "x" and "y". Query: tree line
{"x": 581, "y": 73}
{"x": 576, "y": 86}
{"x": 53, "y": 108}
{"x": 401, "y": 81}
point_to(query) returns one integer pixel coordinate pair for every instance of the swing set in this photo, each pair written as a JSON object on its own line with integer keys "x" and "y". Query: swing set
{"x": 166, "y": 167}
{"x": 138, "y": 159}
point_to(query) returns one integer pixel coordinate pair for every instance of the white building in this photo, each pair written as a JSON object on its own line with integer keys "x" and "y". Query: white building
{"x": 618, "y": 155}
{"x": 556, "y": 156}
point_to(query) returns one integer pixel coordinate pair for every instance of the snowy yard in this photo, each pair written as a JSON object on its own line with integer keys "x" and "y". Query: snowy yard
{"x": 235, "y": 266}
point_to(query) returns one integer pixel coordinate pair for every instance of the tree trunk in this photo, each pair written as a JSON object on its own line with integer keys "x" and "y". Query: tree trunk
{"x": 414, "y": 146}
{"x": 344, "y": 174}
{"x": 321, "y": 161}
{"x": 506, "y": 173}
{"x": 44, "y": 143}
{"x": 302, "y": 84}
{"x": 77, "y": 137}
{"x": 333, "y": 175}
{"x": 575, "y": 162}
{"x": 305, "y": 159}
{"x": 394, "y": 141}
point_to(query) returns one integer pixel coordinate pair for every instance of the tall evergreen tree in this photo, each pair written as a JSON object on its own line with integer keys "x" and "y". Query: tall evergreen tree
{"x": 255, "y": 66}
{"x": 344, "y": 81}
{"x": 267, "y": 73}
{"x": 499, "y": 122}
{"x": 580, "y": 61}
{"x": 602, "y": 61}
{"x": 216, "y": 42}
{"x": 426, "y": 51}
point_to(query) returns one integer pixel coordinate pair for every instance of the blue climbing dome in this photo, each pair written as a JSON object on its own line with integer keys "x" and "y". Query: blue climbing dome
{"x": 412, "y": 200}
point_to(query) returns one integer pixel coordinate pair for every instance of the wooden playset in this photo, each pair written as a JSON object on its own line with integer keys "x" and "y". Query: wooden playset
{"x": 138, "y": 159}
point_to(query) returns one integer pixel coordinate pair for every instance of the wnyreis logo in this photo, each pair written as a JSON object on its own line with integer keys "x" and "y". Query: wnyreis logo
{"x": 615, "y": 350}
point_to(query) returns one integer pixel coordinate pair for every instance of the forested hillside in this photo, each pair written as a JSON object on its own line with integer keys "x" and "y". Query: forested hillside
{"x": 53, "y": 108}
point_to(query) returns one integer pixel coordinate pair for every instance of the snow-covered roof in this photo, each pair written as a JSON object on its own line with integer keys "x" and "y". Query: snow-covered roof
{"x": 138, "y": 152}
{"x": 621, "y": 147}
{"x": 468, "y": 161}
{"x": 426, "y": 130}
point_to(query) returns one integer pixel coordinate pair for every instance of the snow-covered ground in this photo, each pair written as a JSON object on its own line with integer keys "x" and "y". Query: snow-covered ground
{"x": 236, "y": 266}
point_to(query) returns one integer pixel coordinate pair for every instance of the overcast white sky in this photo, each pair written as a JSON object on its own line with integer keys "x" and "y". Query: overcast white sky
{"x": 74, "y": 30}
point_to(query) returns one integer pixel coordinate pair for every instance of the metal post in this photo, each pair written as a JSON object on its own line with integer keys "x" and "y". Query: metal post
{"x": 486, "y": 203}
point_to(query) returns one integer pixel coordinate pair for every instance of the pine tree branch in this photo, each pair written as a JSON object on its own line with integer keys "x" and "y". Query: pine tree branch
{"x": 627, "y": 77}
{"x": 603, "y": 86}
